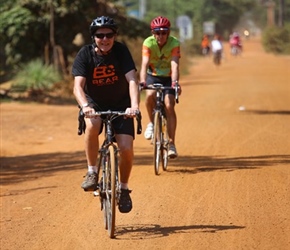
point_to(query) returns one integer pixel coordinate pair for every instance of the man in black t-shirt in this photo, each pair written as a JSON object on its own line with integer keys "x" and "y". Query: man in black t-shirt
{"x": 105, "y": 78}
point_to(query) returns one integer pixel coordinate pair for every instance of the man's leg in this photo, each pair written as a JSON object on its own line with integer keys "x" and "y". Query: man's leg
{"x": 171, "y": 117}
{"x": 125, "y": 145}
{"x": 91, "y": 149}
{"x": 171, "y": 124}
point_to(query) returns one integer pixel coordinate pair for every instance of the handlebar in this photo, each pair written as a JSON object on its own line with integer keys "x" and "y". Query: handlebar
{"x": 111, "y": 115}
{"x": 159, "y": 86}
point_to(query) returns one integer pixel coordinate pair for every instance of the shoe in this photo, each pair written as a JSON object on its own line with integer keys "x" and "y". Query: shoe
{"x": 172, "y": 153}
{"x": 149, "y": 131}
{"x": 125, "y": 202}
{"x": 91, "y": 182}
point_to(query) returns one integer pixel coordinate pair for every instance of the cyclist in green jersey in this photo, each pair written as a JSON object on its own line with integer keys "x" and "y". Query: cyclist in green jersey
{"x": 160, "y": 64}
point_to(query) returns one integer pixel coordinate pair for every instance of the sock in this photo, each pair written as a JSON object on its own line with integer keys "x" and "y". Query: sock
{"x": 92, "y": 169}
{"x": 124, "y": 185}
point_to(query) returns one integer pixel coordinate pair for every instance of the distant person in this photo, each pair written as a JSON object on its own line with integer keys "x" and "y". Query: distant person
{"x": 235, "y": 41}
{"x": 217, "y": 49}
{"x": 205, "y": 45}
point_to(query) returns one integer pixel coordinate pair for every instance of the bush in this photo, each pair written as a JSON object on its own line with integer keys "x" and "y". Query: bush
{"x": 277, "y": 40}
{"x": 35, "y": 77}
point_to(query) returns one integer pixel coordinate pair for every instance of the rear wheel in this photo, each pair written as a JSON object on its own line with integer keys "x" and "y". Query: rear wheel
{"x": 158, "y": 153}
{"x": 217, "y": 58}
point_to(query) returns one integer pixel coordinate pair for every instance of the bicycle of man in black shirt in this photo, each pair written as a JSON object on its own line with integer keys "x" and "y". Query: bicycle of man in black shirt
{"x": 105, "y": 79}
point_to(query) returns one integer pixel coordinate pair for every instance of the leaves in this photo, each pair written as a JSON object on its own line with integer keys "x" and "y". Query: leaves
{"x": 36, "y": 76}
{"x": 25, "y": 24}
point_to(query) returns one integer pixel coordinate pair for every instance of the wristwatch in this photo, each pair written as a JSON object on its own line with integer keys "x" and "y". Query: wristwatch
{"x": 85, "y": 105}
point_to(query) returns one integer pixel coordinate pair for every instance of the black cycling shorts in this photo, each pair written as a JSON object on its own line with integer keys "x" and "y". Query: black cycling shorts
{"x": 122, "y": 124}
{"x": 165, "y": 81}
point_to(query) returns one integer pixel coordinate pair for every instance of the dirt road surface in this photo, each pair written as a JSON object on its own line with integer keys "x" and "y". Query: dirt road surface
{"x": 228, "y": 189}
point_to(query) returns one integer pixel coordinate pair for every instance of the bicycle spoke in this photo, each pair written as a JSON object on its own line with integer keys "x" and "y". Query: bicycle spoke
{"x": 165, "y": 140}
{"x": 157, "y": 142}
{"x": 111, "y": 192}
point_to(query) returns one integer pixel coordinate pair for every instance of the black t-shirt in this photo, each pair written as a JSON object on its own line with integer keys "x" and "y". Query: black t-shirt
{"x": 106, "y": 84}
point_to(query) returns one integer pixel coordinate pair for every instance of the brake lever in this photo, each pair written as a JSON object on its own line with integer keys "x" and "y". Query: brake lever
{"x": 176, "y": 93}
{"x": 139, "y": 124}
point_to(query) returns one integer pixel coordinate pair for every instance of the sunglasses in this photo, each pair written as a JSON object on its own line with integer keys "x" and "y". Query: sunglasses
{"x": 103, "y": 35}
{"x": 163, "y": 33}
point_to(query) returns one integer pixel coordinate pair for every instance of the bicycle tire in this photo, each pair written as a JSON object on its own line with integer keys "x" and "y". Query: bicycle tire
{"x": 235, "y": 51}
{"x": 165, "y": 141}
{"x": 158, "y": 153}
{"x": 103, "y": 165}
{"x": 111, "y": 191}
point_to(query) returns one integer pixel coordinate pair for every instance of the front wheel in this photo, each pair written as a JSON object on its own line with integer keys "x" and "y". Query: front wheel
{"x": 103, "y": 164}
{"x": 110, "y": 191}
{"x": 235, "y": 50}
{"x": 165, "y": 142}
{"x": 157, "y": 139}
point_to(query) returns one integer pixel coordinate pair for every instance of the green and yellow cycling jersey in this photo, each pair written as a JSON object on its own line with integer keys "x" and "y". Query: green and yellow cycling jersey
{"x": 160, "y": 59}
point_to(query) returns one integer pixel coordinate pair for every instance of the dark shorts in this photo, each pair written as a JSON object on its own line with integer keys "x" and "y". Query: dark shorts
{"x": 165, "y": 81}
{"x": 124, "y": 126}
{"x": 121, "y": 125}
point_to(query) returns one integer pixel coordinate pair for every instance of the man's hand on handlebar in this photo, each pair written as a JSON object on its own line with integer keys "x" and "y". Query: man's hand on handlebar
{"x": 176, "y": 85}
{"x": 132, "y": 112}
{"x": 88, "y": 112}
{"x": 142, "y": 85}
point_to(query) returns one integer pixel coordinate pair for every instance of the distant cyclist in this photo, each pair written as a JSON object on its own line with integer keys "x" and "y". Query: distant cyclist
{"x": 160, "y": 64}
{"x": 217, "y": 49}
{"x": 205, "y": 45}
{"x": 235, "y": 41}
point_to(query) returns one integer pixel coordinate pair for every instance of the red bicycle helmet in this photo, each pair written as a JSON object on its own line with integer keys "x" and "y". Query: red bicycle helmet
{"x": 160, "y": 22}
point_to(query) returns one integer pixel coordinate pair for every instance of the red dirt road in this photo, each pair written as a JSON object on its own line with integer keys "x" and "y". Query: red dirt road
{"x": 229, "y": 188}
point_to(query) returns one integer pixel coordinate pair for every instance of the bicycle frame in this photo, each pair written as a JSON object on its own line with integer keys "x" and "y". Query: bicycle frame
{"x": 160, "y": 138}
{"x": 109, "y": 189}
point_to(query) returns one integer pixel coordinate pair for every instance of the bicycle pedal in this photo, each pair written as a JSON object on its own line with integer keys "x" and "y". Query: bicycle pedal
{"x": 90, "y": 189}
{"x": 172, "y": 157}
{"x": 96, "y": 193}
{"x": 102, "y": 195}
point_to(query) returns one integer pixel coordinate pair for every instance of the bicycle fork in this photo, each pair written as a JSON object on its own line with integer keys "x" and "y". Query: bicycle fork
{"x": 101, "y": 185}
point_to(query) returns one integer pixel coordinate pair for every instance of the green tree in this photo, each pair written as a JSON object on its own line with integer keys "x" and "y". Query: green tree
{"x": 27, "y": 33}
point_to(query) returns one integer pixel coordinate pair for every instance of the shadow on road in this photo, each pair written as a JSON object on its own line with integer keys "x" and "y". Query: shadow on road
{"x": 146, "y": 231}
{"x": 29, "y": 167}
{"x": 268, "y": 112}
{"x": 196, "y": 164}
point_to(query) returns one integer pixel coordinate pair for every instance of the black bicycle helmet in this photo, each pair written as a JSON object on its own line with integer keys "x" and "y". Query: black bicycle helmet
{"x": 103, "y": 22}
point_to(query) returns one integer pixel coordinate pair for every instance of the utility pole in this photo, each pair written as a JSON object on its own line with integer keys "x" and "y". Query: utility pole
{"x": 142, "y": 9}
{"x": 270, "y": 12}
{"x": 281, "y": 13}
{"x": 51, "y": 36}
